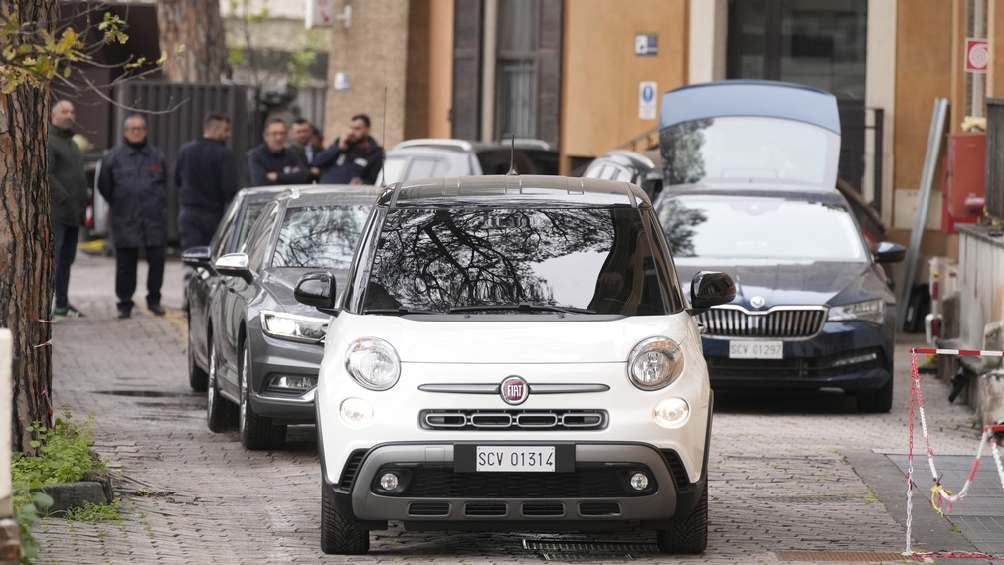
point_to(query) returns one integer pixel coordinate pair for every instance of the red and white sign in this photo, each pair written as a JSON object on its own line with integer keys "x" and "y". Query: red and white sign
{"x": 320, "y": 13}
{"x": 977, "y": 55}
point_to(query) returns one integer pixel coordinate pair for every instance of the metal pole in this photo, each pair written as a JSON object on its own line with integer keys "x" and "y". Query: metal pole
{"x": 938, "y": 116}
{"x": 488, "y": 65}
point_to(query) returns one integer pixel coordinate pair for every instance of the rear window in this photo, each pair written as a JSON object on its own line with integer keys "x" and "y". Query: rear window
{"x": 583, "y": 260}
{"x": 319, "y": 237}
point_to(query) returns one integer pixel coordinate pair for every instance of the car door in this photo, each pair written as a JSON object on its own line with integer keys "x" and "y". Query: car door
{"x": 204, "y": 280}
{"x": 231, "y": 305}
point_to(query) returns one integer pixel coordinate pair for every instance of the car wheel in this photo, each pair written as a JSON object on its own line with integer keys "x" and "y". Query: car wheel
{"x": 219, "y": 412}
{"x": 341, "y": 533}
{"x": 878, "y": 401}
{"x": 688, "y": 534}
{"x": 257, "y": 432}
{"x": 198, "y": 379}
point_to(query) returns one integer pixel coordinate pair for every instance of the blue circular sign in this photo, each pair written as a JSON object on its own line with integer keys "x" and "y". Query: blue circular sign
{"x": 647, "y": 93}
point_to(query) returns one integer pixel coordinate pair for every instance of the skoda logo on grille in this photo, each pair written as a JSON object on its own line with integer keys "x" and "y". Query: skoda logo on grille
{"x": 514, "y": 390}
{"x": 758, "y": 302}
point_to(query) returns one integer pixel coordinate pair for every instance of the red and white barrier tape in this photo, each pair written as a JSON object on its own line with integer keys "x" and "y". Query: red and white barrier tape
{"x": 942, "y": 498}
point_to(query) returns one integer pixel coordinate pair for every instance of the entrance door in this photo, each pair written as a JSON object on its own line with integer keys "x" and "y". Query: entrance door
{"x": 820, "y": 43}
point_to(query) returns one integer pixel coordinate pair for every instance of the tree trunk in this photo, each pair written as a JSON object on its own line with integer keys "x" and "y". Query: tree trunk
{"x": 198, "y": 26}
{"x": 25, "y": 237}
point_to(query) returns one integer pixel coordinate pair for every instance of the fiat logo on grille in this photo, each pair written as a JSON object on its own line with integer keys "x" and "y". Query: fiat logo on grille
{"x": 514, "y": 390}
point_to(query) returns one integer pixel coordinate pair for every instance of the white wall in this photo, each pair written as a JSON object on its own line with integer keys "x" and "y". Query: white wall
{"x": 709, "y": 29}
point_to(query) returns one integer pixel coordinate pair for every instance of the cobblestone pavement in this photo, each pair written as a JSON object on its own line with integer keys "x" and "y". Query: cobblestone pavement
{"x": 779, "y": 477}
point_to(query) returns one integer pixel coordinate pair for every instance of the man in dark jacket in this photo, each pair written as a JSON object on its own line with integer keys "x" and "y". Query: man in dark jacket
{"x": 301, "y": 140}
{"x": 272, "y": 163}
{"x": 206, "y": 177}
{"x": 69, "y": 200}
{"x": 355, "y": 158}
{"x": 133, "y": 180}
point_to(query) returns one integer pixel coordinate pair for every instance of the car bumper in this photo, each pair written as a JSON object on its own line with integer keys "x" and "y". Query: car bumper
{"x": 595, "y": 494}
{"x": 848, "y": 355}
{"x": 271, "y": 357}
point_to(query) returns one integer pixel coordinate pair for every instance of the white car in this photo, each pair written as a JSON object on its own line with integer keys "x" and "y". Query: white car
{"x": 513, "y": 353}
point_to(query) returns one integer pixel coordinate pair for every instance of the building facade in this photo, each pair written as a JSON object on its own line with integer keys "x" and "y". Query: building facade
{"x": 575, "y": 73}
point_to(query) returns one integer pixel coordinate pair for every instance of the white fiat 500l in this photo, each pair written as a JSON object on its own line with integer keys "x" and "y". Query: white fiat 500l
{"x": 513, "y": 353}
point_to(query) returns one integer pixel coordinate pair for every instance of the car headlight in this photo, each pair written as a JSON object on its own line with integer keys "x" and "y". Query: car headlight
{"x": 868, "y": 311}
{"x": 654, "y": 363}
{"x": 293, "y": 327}
{"x": 373, "y": 363}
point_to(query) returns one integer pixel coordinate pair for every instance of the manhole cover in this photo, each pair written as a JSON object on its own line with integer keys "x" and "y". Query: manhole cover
{"x": 862, "y": 556}
{"x": 551, "y": 550}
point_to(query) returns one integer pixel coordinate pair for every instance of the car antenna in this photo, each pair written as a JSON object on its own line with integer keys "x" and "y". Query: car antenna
{"x": 512, "y": 157}
{"x": 383, "y": 136}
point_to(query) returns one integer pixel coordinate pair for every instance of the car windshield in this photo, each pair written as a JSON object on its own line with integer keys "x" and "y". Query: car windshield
{"x": 743, "y": 227}
{"x": 321, "y": 237}
{"x": 745, "y": 147}
{"x": 517, "y": 260}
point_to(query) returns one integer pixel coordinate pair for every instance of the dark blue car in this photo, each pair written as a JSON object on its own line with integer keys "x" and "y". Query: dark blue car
{"x": 749, "y": 189}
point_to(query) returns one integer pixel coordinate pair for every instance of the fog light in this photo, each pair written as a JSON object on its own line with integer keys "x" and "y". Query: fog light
{"x": 389, "y": 482}
{"x": 292, "y": 383}
{"x": 639, "y": 481}
{"x": 356, "y": 412}
{"x": 671, "y": 412}
{"x": 855, "y": 359}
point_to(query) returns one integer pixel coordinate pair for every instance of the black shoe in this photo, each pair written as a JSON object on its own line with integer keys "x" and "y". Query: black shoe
{"x": 125, "y": 314}
{"x": 156, "y": 309}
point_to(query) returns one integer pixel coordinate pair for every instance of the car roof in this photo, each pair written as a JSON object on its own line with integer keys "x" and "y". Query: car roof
{"x": 297, "y": 196}
{"x": 513, "y": 190}
{"x": 261, "y": 193}
{"x": 758, "y": 191}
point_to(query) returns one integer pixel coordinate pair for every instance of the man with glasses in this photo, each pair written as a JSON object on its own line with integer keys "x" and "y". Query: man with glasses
{"x": 133, "y": 181}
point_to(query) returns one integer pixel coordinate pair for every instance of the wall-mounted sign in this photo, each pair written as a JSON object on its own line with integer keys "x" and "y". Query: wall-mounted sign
{"x": 646, "y": 44}
{"x": 320, "y": 13}
{"x": 342, "y": 81}
{"x": 977, "y": 55}
{"x": 646, "y": 100}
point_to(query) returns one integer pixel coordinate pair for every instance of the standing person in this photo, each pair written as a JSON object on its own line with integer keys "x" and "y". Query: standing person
{"x": 133, "y": 180}
{"x": 272, "y": 163}
{"x": 69, "y": 200}
{"x": 355, "y": 158}
{"x": 206, "y": 177}
{"x": 302, "y": 140}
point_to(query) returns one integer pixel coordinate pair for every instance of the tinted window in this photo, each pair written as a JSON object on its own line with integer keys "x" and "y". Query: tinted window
{"x": 251, "y": 213}
{"x": 731, "y": 227}
{"x": 321, "y": 237}
{"x": 595, "y": 259}
{"x": 224, "y": 233}
{"x": 258, "y": 236}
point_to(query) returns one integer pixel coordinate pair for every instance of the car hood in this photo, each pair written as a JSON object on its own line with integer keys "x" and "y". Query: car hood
{"x": 279, "y": 283}
{"x": 790, "y": 283}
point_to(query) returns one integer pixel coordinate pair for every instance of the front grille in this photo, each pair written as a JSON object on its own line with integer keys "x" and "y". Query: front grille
{"x": 351, "y": 469}
{"x": 523, "y": 420}
{"x": 676, "y": 468}
{"x": 796, "y": 368}
{"x": 429, "y": 508}
{"x": 778, "y": 322}
{"x": 543, "y": 509}
{"x": 589, "y": 481}
{"x": 599, "y": 508}
{"x": 486, "y": 509}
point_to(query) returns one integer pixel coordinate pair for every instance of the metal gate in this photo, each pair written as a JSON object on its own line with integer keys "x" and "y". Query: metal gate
{"x": 174, "y": 114}
{"x": 994, "y": 187}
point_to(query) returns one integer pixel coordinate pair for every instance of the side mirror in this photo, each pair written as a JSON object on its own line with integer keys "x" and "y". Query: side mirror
{"x": 197, "y": 257}
{"x": 234, "y": 265}
{"x": 889, "y": 252}
{"x": 711, "y": 288}
{"x": 317, "y": 290}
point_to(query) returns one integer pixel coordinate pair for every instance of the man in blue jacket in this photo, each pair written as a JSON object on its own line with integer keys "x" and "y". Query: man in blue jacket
{"x": 206, "y": 177}
{"x": 133, "y": 181}
{"x": 355, "y": 158}
{"x": 272, "y": 162}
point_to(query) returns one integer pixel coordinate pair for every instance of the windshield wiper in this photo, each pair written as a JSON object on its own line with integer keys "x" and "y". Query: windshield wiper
{"x": 521, "y": 307}
{"x": 398, "y": 311}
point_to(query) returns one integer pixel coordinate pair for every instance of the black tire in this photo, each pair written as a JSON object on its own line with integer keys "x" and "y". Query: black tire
{"x": 257, "y": 432}
{"x": 878, "y": 401}
{"x": 219, "y": 412}
{"x": 341, "y": 533}
{"x": 688, "y": 534}
{"x": 198, "y": 378}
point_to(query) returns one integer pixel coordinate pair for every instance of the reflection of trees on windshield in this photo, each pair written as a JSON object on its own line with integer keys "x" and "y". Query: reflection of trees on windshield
{"x": 439, "y": 259}
{"x": 682, "y": 151}
{"x": 679, "y": 221}
{"x": 317, "y": 236}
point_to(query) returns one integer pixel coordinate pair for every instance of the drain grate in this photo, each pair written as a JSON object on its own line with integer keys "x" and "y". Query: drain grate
{"x": 853, "y": 556}
{"x": 587, "y": 551}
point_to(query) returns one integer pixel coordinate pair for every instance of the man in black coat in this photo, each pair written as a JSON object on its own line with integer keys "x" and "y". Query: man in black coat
{"x": 69, "y": 200}
{"x": 206, "y": 177}
{"x": 355, "y": 158}
{"x": 272, "y": 162}
{"x": 133, "y": 180}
